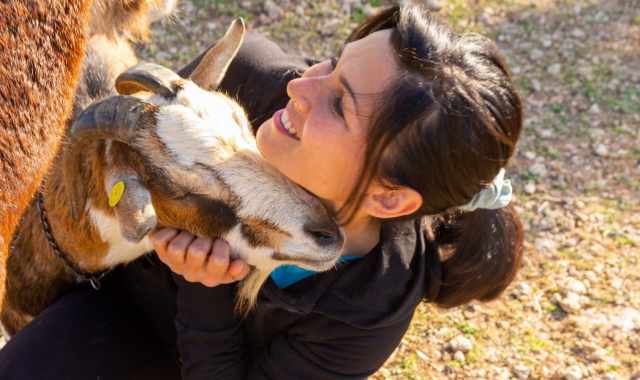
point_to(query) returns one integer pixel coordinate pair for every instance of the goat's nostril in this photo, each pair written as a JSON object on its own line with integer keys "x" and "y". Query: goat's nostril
{"x": 324, "y": 235}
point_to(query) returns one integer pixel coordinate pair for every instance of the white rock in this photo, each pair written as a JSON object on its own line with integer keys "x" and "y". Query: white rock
{"x": 501, "y": 374}
{"x": 594, "y": 109}
{"x": 575, "y": 286}
{"x": 545, "y": 133}
{"x": 521, "y": 371}
{"x": 529, "y": 155}
{"x": 547, "y": 42}
{"x": 538, "y": 169}
{"x": 578, "y": 33}
{"x": 368, "y": 10}
{"x": 459, "y": 357}
{"x": 597, "y": 133}
{"x": 617, "y": 283}
{"x": 573, "y": 373}
{"x": 530, "y": 187}
{"x": 554, "y": 69}
{"x": 536, "y": 54}
{"x": 422, "y": 356}
{"x": 523, "y": 288}
{"x": 602, "y": 150}
{"x": 628, "y": 320}
{"x": 460, "y": 343}
{"x": 272, "y": 9}
{"x": 611, "y": 376}
{"x": 571, "y": 303}
{"x": 599, "y": 355}
{"x": 536, "y": 85}
{"x": 545, "y": 245}
{"x": 433, "y": 5}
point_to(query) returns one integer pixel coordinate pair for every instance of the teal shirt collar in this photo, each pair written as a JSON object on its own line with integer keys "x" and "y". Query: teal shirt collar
{"x": 287, "y": 275}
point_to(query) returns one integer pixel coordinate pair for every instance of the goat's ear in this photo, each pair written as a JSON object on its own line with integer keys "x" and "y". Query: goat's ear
{"x": 215, "y": 62}
{"x": 149, "y": 77}
{"x": 132, "y": 204}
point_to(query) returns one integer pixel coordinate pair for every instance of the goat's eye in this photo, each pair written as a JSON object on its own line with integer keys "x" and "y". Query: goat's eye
{"x": 180, "y": 196}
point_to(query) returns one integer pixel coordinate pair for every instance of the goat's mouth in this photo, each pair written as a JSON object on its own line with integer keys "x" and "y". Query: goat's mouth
{"x": 312, "y": 264}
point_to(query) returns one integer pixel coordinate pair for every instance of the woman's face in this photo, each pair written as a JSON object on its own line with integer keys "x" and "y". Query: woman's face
{"x": 318, "y": 139}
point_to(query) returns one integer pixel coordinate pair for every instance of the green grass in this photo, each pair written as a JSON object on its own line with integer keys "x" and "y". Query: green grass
{"x": 466, "y": 328}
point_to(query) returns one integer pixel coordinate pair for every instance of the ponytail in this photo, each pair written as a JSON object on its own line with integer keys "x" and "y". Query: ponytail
{"x": 480, "y": 254}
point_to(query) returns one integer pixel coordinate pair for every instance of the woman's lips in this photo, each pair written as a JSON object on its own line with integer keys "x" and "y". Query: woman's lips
{"x": 278, "y": 123}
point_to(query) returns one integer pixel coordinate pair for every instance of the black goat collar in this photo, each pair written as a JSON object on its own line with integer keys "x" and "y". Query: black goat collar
{"x": 81, "y": 275}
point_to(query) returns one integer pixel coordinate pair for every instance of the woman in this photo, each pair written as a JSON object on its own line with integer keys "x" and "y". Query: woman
{"x": 400, "y": 136}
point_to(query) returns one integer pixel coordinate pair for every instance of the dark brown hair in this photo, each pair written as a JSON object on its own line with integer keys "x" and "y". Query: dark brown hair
{"x": 447, "y": 125}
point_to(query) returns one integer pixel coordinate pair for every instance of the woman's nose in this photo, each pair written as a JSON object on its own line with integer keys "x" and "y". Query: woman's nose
{"x": 298, "y": 91}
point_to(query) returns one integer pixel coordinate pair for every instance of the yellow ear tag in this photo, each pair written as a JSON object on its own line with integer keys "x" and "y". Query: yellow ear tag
{"x": 116, "y": 194}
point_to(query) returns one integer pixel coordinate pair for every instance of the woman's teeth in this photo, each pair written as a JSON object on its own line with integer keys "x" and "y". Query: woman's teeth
{"x": 284, "y": 119}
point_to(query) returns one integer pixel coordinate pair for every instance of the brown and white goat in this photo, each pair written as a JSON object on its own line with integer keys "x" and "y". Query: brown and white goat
{"x": 187, "y": 159}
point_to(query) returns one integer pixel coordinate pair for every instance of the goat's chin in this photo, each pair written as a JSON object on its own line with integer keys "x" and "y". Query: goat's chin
{"x": 317, "y": 266}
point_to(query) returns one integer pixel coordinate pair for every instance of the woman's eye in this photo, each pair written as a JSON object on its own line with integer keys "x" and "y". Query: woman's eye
{"x": 337, "y": 101}
{"x": 334, "y": 62}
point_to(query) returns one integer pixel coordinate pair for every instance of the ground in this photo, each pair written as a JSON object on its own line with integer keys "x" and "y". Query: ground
{"x": 574, "y": 310}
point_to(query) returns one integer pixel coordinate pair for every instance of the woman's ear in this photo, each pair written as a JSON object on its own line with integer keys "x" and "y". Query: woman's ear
{"x": 383, "y": 202}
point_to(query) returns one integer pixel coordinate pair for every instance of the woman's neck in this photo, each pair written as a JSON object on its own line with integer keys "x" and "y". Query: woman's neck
{"x": 361, "y": 235}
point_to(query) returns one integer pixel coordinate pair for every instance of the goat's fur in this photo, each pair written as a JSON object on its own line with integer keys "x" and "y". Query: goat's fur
{"x": 41, "y": 48}
{"x": 188, "y": 160}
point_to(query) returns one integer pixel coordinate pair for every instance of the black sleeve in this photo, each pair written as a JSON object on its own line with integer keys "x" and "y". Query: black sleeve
{"x": 209, "y": 335}
{"x": 212, "y": 344}
{"x": 325, "y": 349}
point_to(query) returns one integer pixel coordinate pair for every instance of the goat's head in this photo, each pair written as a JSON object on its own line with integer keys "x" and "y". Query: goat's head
{"x": 187, "y": 159}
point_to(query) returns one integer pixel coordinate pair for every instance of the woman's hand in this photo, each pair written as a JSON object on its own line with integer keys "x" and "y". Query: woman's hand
{"x": 198, "y": 259}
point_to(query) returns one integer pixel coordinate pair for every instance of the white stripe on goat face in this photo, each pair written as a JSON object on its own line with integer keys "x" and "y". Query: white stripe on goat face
{"x": 200, "y": 126}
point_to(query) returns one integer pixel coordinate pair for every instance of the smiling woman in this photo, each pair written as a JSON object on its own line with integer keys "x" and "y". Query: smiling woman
{"x": 404, "y": 137}
{"x": 329, "y": 111}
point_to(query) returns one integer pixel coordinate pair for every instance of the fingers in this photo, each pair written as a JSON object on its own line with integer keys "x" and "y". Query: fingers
{"x": 198, "y": 259}
{"x": 217, "y": 265}
{"x": 238, "y": 269}
{"x": 195, "y": 258}
{"x": 160, "y": 240}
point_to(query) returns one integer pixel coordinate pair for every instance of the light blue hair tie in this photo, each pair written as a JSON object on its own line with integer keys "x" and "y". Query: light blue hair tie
{"x": 497, "y": 195}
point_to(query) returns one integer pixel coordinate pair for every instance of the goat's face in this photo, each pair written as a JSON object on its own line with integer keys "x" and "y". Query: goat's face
{"x": 216, "y": 184}
{"x": 196, "y": 167}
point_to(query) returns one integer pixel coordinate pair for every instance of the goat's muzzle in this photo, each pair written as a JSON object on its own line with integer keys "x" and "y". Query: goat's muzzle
{"x": 324, "y": 234}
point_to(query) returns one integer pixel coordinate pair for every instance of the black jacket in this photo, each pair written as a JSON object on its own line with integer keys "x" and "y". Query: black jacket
{"x": 340, "y": 324}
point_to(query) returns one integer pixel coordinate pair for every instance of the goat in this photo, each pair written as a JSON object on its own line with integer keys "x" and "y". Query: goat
{"x": 185, "y": 158}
